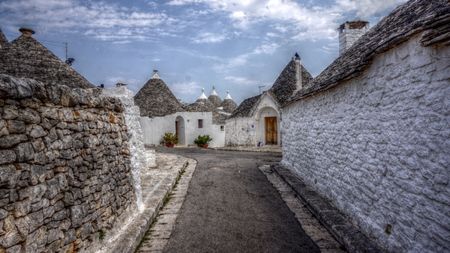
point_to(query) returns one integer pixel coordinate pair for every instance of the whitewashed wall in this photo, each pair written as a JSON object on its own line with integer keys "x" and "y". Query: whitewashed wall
{"x": 378, "y": 147}
{"x": 154, "y": 128}
{"x": 248, "y": 131}
{"x": 240, "y": 132}
{"x": 141, "y": 157}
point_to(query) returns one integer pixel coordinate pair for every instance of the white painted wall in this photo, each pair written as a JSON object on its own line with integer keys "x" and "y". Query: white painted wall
{"x": 154, "y": 128}
{"x": 240, "y": 132}
{"x": 378, "y": 147}
{"x": 248, "y": 131}
{"x": 141, "y": 157}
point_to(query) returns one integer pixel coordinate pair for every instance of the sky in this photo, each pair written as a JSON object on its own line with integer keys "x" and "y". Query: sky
{"x": 235, "y": 45}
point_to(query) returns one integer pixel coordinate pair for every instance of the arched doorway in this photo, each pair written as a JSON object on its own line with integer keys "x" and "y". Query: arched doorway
{"x": 180, "y": 130}
{"x": 268, "y": 128}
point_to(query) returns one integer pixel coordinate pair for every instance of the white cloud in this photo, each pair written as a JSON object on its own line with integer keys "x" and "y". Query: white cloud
{"x": 241, "y": 80}
{"x": 305, "y": 21}
{"x": 183, "y": 2}
{"x": 207, "y": 37}
{"x": 266, "y": 48}
{"x": 367, "y": 8}
{"x": 101, "y": 20}
{"x": 315, "y": 22}
{"x": 186, "y": 88}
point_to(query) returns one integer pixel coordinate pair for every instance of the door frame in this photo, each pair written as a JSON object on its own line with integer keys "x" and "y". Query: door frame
{"x": 180, "y": 130}
{"x": 273, "y": 120}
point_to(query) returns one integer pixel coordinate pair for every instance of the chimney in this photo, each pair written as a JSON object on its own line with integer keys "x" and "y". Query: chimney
{"x": 298, "y": 71}
{"x": 349, "y": 33}
{"x": 28, "y": 32}
{"x": 3, "y": 40}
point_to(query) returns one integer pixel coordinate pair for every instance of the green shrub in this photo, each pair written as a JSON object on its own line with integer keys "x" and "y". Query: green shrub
{"x": 203, "y": 140}
{"x": 169, "y": 138}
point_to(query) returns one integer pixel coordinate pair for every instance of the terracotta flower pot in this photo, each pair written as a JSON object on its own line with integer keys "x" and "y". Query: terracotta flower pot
{"x": 170, "y": 145}
{"x": 204, "y": 146}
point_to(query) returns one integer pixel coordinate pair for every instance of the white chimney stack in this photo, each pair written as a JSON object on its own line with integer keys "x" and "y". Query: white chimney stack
{"x": 298, "y": 71}
{"x": 349, "y": 33}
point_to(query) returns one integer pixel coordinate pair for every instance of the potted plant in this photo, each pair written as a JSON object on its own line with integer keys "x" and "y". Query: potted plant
{"x": 169, "y": 140}
{"x": 203, "y": 141}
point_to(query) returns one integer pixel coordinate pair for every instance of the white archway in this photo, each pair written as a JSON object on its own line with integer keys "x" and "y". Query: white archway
{"x": 180, "y": 130}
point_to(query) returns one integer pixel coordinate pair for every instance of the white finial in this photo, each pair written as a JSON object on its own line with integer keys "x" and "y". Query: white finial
{"x": 155, "y": 74}
{"x": 228, "y": 96}
{"x": 203, "y": 96}
{"x": 213, "y": 92}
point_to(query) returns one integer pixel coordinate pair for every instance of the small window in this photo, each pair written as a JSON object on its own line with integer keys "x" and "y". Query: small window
{"x": 200, "y": 123}
{"x": 222, "y": 128}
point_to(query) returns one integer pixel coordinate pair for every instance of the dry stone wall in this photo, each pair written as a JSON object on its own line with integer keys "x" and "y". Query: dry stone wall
{"x": 64, "y": 166}
{"x": 377, "y": 146}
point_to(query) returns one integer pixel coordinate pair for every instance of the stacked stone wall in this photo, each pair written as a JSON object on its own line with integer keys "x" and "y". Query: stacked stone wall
{"x": 378, "y": 147}
{"x": 64, "y": 167}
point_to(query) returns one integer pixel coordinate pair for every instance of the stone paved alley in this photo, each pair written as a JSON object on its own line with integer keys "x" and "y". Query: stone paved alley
{"x": 230, "y": 206}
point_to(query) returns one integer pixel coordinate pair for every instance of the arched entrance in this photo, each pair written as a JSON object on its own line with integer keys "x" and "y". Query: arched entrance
{"x": 271, "y": 130}
{"x": 268, "y": 129}
{"x": 180, "y": 130}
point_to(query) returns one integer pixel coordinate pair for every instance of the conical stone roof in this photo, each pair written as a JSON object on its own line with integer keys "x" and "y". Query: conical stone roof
{"x": 228, "y": 104}
{"x": 201, "y": 105}
{"x": 214, "y": 98}
{"x": 26, "y": 57}
{"x": 156, "y": 100}
{"x": 286, "y": 83}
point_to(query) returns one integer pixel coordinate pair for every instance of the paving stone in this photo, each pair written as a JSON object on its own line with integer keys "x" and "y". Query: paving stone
{"x": 158, "y": 236}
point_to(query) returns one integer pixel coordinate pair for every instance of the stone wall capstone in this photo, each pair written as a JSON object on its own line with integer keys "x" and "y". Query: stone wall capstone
{"x": 378, "y": 147}
{"x": 64, "y": 166}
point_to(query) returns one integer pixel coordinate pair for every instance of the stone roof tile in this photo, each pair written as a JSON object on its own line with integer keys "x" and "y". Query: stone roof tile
{"x": 201, "y": 105}
{"x": 26, "y": 57}
{"x": 432, "y": 18}
{"x": 246, "y": 107}
{"x": 156, "y": 100}
{"x": 286, "y": 83}
{"x": 215, "y": 100}
{"x": 228, "y": 105}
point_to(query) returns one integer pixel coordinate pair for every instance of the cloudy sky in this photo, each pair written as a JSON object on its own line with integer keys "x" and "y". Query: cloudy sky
{"x": 236, "y": 45}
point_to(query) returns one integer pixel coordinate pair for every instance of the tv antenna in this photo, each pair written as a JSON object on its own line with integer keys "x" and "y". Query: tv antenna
{"x": 68, "y": 60}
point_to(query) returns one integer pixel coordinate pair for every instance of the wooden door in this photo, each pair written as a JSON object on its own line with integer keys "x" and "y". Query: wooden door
{"x": 271, "y": 130}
